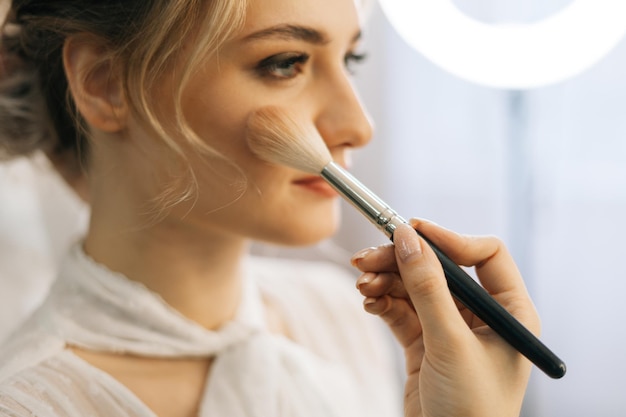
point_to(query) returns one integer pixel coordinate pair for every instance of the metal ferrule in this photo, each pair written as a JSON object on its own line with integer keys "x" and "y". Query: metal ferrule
{"x": 376, "y": 210}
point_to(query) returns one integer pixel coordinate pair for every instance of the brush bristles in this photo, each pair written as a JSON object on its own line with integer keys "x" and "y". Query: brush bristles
{"x": 275, "y": 137}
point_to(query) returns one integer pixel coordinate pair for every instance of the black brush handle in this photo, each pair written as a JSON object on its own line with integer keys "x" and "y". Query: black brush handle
{"x": 462, "y": 286}
{"x": 465, "y": 289}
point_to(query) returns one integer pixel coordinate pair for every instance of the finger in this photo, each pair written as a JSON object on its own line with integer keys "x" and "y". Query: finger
{"x": 495, "y": 268}
{"x": 399, "y": 315}
{"x": 372, "y": 284}
{"x": 494, "y": 265}
{"x": 425, "y": 283}
{"x": 375, "y": 259}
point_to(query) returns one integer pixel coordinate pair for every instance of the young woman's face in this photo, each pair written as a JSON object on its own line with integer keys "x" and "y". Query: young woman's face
{"x": 296, "y": 55}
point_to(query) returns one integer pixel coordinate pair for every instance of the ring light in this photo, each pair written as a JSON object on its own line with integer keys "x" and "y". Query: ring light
{"x": 510, "y": 55}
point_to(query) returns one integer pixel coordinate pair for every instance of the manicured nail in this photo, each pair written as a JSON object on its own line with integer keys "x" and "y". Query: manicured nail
{"x": 360, "y": 255}
{"x": 407, "y": 246}
{"x": 369, "y": 300}
{"x": 366, "y": 278}
{"x": 420, "y": 220}
{"x": 416, "y": 221}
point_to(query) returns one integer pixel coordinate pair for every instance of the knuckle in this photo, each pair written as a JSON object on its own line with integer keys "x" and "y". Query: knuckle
{"x": 426, "y": 285}
{"x": 393, "y": 319}
{"x": 495, "y": 242}
{"x": 424, "y": 278}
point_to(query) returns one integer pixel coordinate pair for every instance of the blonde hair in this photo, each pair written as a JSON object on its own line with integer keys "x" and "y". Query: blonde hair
{"x": 143, "y": 37}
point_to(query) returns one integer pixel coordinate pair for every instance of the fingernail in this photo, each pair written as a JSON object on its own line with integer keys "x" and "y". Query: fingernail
{"x": 407, "y": 243}
{"x": 416, "y": 221}
{"x": 360, "y": 255}
{"x": 366, "y": 278}
{"x": 369, "y": 300}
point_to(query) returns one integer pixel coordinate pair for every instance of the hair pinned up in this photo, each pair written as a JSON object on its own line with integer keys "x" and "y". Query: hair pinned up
{"x": 33, "y": 109}
{"x": 24, "y": 126}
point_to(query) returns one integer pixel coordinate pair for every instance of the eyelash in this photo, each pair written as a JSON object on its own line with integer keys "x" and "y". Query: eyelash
{"x": 270, "y": 67}
{"x": 351, "y": 59}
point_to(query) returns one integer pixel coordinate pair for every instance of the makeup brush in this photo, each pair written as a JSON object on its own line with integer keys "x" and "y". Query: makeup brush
{"x": 276, "y": 138}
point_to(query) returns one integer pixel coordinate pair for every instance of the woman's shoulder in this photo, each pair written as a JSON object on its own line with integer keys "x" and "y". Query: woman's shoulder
{"x": 24, "y": 356}
{"x": 323, "y": 311}
{"x": 307, "y": 283}
{"x": 29, "y": 382}
{"x": 318, "y": 300}
{"x": 321, "y": 307}
{"x": 61, "y": 384}
{"x": 299, "y": 272}
{"x": 40, "y": 376}
{"x": 27, "y": 346}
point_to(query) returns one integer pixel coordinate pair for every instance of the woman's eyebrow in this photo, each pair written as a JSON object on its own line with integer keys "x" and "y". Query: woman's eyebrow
{"x": 288, "y": 32}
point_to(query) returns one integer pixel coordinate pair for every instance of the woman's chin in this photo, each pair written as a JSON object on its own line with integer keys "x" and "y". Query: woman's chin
{"x": 303, "y": 233}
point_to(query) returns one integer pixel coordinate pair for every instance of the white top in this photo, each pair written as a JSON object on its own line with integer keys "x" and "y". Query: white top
{"x": 339, "y": 365}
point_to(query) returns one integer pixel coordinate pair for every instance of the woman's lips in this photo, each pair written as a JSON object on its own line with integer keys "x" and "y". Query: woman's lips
{"x": 317, "y": 185}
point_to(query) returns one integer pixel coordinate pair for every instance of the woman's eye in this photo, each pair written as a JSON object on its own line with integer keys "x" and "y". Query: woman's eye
{"x": 282, "y": 66}
{"x": 352, "y": 59}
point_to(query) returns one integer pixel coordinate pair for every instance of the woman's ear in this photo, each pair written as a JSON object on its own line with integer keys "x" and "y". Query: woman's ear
{"x": 95, "y": 84}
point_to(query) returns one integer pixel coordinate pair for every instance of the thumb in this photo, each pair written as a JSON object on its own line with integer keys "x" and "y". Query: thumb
{"x": 425, "y": 282}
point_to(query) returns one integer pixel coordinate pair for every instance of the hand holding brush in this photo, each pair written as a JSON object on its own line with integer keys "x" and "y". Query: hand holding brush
{"x": 447, "y": 348}
{"x": 276, "y": 138}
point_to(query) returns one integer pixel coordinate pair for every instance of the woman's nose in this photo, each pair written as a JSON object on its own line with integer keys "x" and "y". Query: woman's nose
{"x": 342, "y": 120}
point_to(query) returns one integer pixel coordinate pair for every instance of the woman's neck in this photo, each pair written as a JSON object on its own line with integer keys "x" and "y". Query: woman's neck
{"x": 197, "y": 272}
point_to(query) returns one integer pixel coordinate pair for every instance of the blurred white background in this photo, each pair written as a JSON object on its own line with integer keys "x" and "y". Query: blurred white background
{"x": 544, "y": 168}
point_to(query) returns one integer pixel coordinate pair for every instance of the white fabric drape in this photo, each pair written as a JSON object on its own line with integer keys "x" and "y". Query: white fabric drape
{"x": 254, "y": 374}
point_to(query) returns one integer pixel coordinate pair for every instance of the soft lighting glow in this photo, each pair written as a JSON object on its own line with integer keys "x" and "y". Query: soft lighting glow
{"x": 506, "y": 55}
